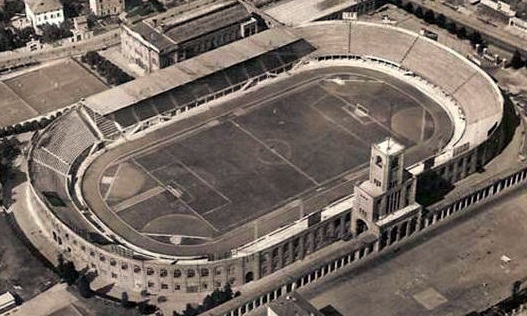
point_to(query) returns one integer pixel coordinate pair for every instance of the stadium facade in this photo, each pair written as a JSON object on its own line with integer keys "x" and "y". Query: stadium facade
{"x": 387, "y": 207}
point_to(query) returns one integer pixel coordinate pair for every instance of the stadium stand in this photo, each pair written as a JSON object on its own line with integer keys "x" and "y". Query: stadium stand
{"x": 234, "y": 76}
{"x": 328, "y": 39}
{"x": 189, "y": 70}
{"x": 67, "y": 141}
{"x": 50, "y": 160}
{"x": 378, "y": 39}
{"x": 106, "y": 126}
{"x": 51, "y": 187}
{"x": 475, "y": 105}
{"x": 446, "y": 71}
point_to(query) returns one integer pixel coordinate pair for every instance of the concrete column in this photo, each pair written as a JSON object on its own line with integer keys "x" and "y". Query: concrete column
{"x": 357, "y": 254}
{"x": 408, "y": 228}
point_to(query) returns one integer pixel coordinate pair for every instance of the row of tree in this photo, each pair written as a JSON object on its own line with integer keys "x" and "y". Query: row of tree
{"x": 9, "y": 150}
{"x": 475, "y": 38}
{"x": 113, "y": 74}
{"x": 25, "y": 127}
{"x": 10, "y": 8}
{"x": 216, "y": 298}
{"x": 517, "y": 61}
{"x": 12, "y": 38}
{"x": 440, "y": 20}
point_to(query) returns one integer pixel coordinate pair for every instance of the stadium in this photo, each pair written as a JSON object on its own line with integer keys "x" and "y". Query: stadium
{"x": 229, "y": 166}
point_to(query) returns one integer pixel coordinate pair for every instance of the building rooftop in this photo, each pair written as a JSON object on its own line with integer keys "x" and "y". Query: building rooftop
{"x": 6, "y": 299}
{"x": 292, "y": 304}
{"x": 165, "y": 32}
{"x": 389, "y": 146}
{"x": 41, "y": 6}
{"x": 296, "y": 12}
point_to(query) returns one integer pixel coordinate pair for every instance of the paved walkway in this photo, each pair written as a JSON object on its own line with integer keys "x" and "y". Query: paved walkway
{"x": 98, "y": 42}
{"x": 499, "y": 37}
{"x": 46, "y": 303}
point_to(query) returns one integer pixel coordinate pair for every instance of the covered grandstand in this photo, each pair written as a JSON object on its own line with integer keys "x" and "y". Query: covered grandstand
{"x": 109, "y": 120}
{"x": 198, "y": 80}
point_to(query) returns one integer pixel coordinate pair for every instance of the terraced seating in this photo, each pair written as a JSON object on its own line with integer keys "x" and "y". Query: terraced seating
{"x": 46, "y": 158}
{"x": 106, "y": 126}
{"x": 475, "y": 105}
{"x": 236, "y": 74}
{"x": 431, "y": 62}
{"x": 68, "y": 139}
{"x": 183, "y": 95}
{"x": 380, "y": 42}
{"x": 163, "y": 102}
{"x": 144, "y": 110}
{"x": 254, "y": 68}
{"x": 125, "y": 117}
{"x": 329, "y": 38}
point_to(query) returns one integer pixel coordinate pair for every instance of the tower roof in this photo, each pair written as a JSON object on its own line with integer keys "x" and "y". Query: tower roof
{"x": 389, "y": 146}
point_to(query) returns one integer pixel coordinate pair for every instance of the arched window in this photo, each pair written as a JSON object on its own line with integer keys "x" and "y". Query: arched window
{"x": 177, "y": 273}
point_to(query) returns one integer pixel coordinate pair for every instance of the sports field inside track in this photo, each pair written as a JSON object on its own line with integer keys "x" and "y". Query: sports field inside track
{"x": 241, "y": 166}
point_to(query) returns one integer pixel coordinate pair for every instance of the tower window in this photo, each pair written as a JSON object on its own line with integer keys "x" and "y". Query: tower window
{"x": 378, "y": 161}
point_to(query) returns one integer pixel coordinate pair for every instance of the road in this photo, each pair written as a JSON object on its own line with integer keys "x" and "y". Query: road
{"x": 452, "y": 270}
{"x": 498, "y": 37}
{"x": 107, "y": 39}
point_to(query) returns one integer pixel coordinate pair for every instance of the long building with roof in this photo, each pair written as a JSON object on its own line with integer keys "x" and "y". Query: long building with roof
{"x": 186, "y": 31}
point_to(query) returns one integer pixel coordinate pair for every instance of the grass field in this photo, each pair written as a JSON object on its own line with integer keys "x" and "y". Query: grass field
{"x": 242, "y": 166}
{"x": 13, "y": 108}
{"x": 46, "y": 89}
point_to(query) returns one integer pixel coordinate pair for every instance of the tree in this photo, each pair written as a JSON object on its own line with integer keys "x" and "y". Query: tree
{"x": 451, "y": 27}
{"x": 83, "y": 285}
{"x": 9, "y": 150}
{"x": 52, "y": 32}
{"x": 11, "y": 8}
{"x": 6, "y": 39}
{"x": 419, "y": 12}
{"x": 125, "y": 301}
{"x": 441, "y": 20}
{"x": 475, "y": 38}
{"x": 409, "y": 7}
{"x": 398, "y": 3}
{"x": 516, "y": 61}
{"x": 462, "y": 33}
{"x": 430, "y": 17}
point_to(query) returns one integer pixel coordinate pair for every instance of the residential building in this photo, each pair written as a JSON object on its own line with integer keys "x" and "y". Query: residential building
{"x": 185, "y": 31}
{"x": 41, "y": 12}
{"x": 499, "y": 6}
{"x": 107, "y": 7}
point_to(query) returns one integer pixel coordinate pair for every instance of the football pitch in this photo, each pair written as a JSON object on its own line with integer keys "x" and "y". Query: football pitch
{"x": 244, "y": 165}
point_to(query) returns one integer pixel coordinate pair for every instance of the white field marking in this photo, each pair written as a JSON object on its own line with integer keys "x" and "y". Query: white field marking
{"x": 200, "y": 178}
{"x": 113, "y": 181}
{"x": 346, "y": 130}
{"x": 138, "y": 199}
{"x": 183, "y": 202}
{"x": 275, "y": 152}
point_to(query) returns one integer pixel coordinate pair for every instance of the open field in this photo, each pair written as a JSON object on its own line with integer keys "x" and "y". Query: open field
{"x": 256, "y": 159}
{"x": 452, "y": 270}
{"x": 46, "y": 89}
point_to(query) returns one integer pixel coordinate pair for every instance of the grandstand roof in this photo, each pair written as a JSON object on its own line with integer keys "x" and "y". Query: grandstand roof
{"x": 189, "y": 70}
{"x": 167, "y": 32}
{"x": 297, "y": 12}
